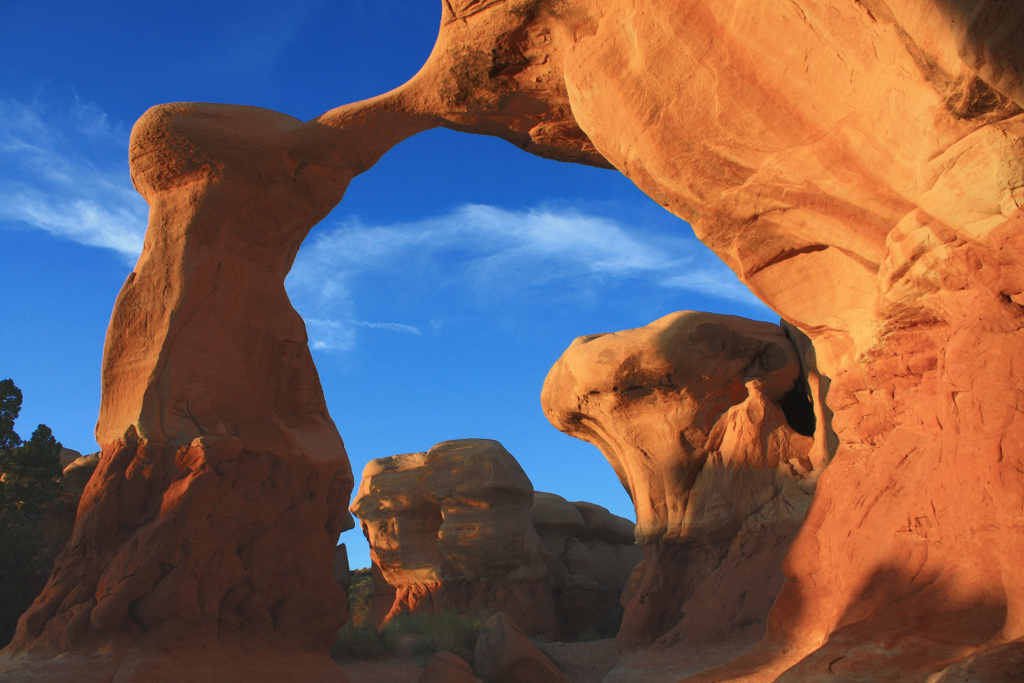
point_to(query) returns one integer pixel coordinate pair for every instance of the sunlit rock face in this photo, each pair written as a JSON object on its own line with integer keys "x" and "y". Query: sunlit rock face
{"x": 857, "y": 164}
{"x": 460, "y": 527}
{"x": 451, "y": 529}
{"x": 689, "y": 412}
{"x": 209, "y": 525}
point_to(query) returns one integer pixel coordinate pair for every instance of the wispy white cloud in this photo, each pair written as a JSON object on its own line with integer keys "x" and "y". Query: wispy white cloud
{"x": 65, "y": 171}
{"x": 493, "y": 251}
{"x": 393, "y": 327}
{"x": 339, "y": 335}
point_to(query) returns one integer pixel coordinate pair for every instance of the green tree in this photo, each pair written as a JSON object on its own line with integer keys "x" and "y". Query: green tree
{"x": 29, "y": 473}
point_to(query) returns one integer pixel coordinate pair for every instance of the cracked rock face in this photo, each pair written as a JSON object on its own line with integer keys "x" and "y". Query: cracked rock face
{"x": 688, "y": 411}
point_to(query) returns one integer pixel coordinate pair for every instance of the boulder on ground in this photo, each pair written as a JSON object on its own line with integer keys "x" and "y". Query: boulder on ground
{"x": 504, "y": 654}
{"x": 447, "y": 667}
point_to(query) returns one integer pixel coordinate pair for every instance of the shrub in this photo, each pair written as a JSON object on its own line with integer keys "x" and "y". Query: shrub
{"x": 360, "y": 594}
{"x": 29, "y": 473}
{"x": 363, "y": 642}
{"x": 445, "y": 631}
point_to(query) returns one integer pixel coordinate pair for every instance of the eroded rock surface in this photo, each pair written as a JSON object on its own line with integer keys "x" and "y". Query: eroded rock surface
{"x": 857, "y": 163}
{"x": 212, "y": 517}
{"x": 451, "y": 529}
{"x": 59, "y": 521}
{"x": 688, "y": 411}
{"x": 591, "y": 556}
{"x": 460, "y": 527}
{"x": 504, "y": 654}
{"x": 447, "y": 667}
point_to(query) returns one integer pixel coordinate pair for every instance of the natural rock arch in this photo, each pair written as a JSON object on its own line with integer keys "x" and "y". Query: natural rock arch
{"x": 873, "y": 152}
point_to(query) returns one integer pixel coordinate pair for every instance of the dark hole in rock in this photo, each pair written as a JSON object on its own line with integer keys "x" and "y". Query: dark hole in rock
{"x": 796, "y": 406}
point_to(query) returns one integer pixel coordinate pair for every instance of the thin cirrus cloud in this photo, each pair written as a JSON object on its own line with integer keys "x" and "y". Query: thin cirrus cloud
{"x": 494, "y": 252}
{"x": 65, "y": 171}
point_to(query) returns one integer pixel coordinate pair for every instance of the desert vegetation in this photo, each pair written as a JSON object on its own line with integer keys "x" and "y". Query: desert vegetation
{"x": 29, "y": 473}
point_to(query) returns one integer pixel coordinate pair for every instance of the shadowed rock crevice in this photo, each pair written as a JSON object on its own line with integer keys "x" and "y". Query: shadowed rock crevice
{"x": 799, "y": 411}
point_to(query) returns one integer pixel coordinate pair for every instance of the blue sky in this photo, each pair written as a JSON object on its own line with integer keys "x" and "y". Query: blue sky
{"x": 437, "y": 294}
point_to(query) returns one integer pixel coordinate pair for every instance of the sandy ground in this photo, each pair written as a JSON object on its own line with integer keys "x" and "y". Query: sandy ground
{"x": 581, "y": 662}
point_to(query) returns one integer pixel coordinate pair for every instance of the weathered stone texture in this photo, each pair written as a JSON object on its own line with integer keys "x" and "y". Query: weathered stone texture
{"x": 688, "y": 412}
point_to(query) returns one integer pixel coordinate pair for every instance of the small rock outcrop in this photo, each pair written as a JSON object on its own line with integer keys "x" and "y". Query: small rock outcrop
{"x": 504, "y": 654}
{"x": 689, "y": 412}
{"x": 447, "y": 667}
{"x": 451, "y": 528}
{"x": 461, "y": 527}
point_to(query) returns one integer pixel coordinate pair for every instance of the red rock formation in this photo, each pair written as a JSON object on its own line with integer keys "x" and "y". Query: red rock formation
{"x": 59, "y": 521}
{"x": 857, "y": 164}
{"x": 505, "y": 655}
{"x": 460, "y": 527}
{"x": 451, "y": 529}
{"x": 210, "y": 524}
{"x": 446, "y": 667}
{"x": 688, "y": 411}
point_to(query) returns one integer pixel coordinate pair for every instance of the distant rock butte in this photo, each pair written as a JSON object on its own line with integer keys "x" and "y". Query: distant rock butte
{"x": 856, "y": 163}
{"x": 457, "y": 528}
{"x": 688, "y": 411}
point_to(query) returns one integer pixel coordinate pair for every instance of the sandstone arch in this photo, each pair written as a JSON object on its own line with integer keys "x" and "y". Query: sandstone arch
{"x": 874, "y": 152}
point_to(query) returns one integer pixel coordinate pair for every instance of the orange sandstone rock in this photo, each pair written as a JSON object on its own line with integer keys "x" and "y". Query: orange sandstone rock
{"x": 451, "y": 528}
{"x": 447, "y": 667}
{"x": 857, "y": 164}
{"x": 688, "y": 411}
{"x": 505, "y": 655}
{"x": 211, "y": 520}
{"x": 460, "y": 527}
{"x": 591, "y": 556}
